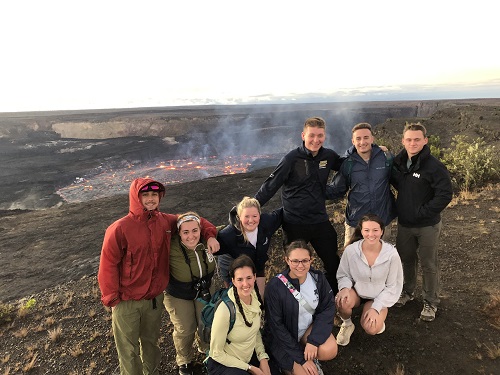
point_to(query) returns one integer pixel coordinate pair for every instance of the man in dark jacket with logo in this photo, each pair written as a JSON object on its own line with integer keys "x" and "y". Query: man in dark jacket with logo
{"x": 424, "y": 190}
{"x": 365, "y": 176}
{"x": 302, "y": 174}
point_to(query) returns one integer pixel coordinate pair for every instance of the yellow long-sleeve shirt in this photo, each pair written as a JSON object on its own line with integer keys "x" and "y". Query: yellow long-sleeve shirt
{"x": 243, "y": 340}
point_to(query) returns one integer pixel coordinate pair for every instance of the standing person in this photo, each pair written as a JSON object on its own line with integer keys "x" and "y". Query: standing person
{"x": 134, "y": 272}
{"x": 424, "y": 190}
{"x": 249, "y": 232}
{"x": 370, "y": 273}
{"x": 240, "y": 351}
{"x": 191, "y": 271}
{"x": 365, "y": 175}
{"x": 298, "y": 330}
{"x": 302, "y": 174}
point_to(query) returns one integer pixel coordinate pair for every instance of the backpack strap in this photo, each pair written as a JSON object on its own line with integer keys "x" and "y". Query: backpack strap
{"x": 232, "y": 312}
{"x": 296, "y": 294}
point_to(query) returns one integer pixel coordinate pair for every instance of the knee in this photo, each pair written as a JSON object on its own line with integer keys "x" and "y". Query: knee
{"x": 328, "y": 350}
{"x": 370, "y": 330}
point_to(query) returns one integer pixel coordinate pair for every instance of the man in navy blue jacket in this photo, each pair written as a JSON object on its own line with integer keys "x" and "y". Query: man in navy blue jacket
{"x": 424, "y": 190}
{"x": 302, "y": 174}
{"x": 365, "y": 175}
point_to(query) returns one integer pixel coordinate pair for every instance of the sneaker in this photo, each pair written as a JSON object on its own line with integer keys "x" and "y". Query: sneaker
{"x": 382, "y": 330}
{"x": 405, "y": 297}
{"x": 428, "y": 313}
{"x": 318, "y": 366}
{"x": 344, "y": 335}
{"x": 186, "y": 369}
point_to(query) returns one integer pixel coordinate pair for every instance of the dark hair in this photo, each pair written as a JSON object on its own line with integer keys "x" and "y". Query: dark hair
{"x": 298, "y": 244}
{"x": 240, "y": 262}
{"x": 357, "y": 232}
{"x": 362, "y": 125}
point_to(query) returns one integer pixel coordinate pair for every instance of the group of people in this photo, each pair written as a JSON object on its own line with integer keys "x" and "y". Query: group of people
{"x": 151, "y": 258}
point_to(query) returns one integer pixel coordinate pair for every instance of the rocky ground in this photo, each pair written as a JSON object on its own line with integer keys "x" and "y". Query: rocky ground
{"x": 58, "y": 325}
{"x": 67, "y": 331}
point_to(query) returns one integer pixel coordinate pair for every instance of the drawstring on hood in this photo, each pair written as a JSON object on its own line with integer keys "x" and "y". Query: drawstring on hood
{"x": 135, "y": 205}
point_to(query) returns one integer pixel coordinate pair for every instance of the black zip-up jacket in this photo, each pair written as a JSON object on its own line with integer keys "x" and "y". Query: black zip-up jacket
{"x": 303, "y": 179}
{"x": 282, "y": 318}
{"x": 424, "y": 189}
{"x": 233, "y": 243}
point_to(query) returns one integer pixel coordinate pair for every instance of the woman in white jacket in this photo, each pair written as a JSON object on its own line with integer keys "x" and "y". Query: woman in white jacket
{"x": 370, "y": 273}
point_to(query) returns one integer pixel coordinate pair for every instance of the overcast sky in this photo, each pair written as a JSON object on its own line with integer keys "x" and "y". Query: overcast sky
{"x": 76, "y": 54}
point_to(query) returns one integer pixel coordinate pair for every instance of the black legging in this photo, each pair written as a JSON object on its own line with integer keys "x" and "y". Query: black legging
{"x": 215, "y": 368}
{"x": 323, "y": 238}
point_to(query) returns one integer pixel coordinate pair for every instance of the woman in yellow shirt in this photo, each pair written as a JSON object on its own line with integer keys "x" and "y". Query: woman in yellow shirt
{"x": 240, "y": 351}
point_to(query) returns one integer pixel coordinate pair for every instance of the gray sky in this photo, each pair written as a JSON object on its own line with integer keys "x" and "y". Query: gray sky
{"x": 108, "y": 54}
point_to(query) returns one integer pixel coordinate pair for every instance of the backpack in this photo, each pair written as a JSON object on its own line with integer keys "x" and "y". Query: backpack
{"x": 208, "y": 312}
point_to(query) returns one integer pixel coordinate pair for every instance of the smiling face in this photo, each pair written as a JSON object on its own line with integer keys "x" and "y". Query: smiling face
{"x": 313, "y": 138}
{"x": 190, "y": 234}
{"x": 299, "y": 261}
{"x": 371, "y": 231}
{"x": 150, "y": 200}
{"x": 249, "y": 218}
{"x": 362, "y": 139}
{"x": 244, "y": 281}
{"x": 414, "y": 141}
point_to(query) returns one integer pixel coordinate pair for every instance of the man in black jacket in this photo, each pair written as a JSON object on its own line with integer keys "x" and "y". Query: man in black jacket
{"x": 303, "y": 174}
{"x": 424, "y": 190}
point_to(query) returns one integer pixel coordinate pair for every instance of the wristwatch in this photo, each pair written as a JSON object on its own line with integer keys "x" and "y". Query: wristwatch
{"x": 249, "y": 367}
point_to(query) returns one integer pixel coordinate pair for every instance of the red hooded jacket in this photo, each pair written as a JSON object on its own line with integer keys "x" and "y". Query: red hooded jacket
{"x": 135, "y": 252}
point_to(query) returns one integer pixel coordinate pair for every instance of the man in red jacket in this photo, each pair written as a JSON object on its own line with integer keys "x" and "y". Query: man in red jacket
{"x": 134, "y": 272}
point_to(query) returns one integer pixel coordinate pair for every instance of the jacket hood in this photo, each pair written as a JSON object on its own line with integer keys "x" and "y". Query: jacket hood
{"x": 234, "y": 220}
{"x": 135, "y": 205}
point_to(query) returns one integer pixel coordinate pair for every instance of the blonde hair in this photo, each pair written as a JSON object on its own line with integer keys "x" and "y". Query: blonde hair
{"x": 246, "y": 202}
{"x": 415, "y": 126}
{"x": 315, "y": 122}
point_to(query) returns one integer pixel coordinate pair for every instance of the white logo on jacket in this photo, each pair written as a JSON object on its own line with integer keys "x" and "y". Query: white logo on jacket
{"x": 417, "y": 175}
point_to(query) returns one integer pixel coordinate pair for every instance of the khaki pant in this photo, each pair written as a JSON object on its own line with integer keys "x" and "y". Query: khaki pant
{"x": 185, "y": 315}
{"x": 136, "y": 328}
{"x": 349, "y": 231}
{"x": 420, "y": 244}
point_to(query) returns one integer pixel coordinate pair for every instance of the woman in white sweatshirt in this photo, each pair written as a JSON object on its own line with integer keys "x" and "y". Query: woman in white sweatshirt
{"x": 370, "y": 273}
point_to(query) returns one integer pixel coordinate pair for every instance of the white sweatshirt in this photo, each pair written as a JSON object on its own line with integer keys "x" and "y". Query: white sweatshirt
{"x": 382, "y": 282}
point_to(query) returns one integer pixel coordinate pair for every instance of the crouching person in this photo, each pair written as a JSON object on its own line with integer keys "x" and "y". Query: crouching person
{"x": 370, "y": 273}
{"x": 239, "y": 351}
{"x": 299, "y": 315}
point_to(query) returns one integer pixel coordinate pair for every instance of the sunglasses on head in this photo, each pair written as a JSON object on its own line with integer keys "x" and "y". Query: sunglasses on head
{"x": 150, "y": 188}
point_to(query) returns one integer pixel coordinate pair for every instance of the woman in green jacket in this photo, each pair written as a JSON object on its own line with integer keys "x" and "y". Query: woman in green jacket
{"x": 191, "y": 271}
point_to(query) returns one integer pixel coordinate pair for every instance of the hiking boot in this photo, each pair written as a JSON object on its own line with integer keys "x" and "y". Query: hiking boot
{"x": 428, "y": 313}
{"x": 186, "y": 369}
{"x": 318, "y": 366}
{"x": 405, "y": 297}
{"x": 344, "y": 335}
